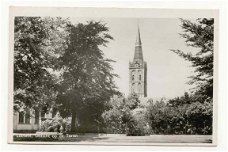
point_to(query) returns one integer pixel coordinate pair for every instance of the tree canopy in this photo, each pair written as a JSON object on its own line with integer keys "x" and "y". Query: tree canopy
{"x": 200, "y": 35}
{"x": 33, "y": 59}
{"x": 87, "y": 78}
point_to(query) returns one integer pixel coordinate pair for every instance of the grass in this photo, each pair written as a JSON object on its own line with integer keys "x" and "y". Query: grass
{"x": 116, "y": 138}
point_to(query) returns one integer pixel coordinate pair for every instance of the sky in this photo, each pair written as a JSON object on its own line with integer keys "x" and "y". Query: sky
{"x": 167, "y": 73}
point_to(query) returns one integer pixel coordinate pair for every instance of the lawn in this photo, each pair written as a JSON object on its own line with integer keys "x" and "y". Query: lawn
{"x": 116, "y": 138}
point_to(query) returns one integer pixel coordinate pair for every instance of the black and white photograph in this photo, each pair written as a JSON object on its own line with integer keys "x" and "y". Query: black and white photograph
{"x": 137, "y": 79}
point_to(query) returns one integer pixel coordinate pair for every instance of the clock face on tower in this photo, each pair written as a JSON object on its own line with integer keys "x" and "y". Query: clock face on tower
{"x": 137, "y": 64}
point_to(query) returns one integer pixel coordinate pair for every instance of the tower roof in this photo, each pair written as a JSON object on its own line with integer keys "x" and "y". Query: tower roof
{"x": 138, "y": 47}
{"x": 138, "y": 39}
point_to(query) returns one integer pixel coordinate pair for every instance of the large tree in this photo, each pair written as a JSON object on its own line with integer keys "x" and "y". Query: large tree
{"x": 87, "y": 78}
{"x": 200, "y": 35}
{"x": 37, "y": 42}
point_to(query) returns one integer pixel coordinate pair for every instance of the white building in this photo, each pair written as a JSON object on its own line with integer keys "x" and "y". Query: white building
{"x": 29, "y": 120}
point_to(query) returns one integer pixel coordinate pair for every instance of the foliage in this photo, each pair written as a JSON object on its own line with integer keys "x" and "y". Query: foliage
{"x": 125, "y": 116}
{"x": 114, "y": 116}
{"x": 182, "y": 115}
{"x": 61, "y": 65}
{"x": 190, "y": 113}
{"x": 34, "y": 52}
{"x": 200, "y": 35}
{"x": 57, "y": 124}
{"x": 199, "y": 116}
{"x": 157, "y": 116}
{"x": 87, "y": 78}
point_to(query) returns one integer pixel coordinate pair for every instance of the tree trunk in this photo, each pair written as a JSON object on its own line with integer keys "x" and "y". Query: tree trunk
{"x": 73, "y": 121}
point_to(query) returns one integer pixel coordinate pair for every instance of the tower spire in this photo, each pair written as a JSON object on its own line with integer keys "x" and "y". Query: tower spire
{"x": 138, "y": 47}
{"x": 138, "y": 70}
{"x": 138, "y": 38}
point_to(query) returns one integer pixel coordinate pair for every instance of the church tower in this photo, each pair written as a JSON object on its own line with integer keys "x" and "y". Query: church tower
{"x": 138, "y": 70}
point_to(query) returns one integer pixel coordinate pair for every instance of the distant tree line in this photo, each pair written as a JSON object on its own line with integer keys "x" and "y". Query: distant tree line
{"x": 181, "y": 115}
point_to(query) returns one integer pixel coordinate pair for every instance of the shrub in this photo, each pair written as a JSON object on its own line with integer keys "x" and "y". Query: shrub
{"x": 56, "y": 125}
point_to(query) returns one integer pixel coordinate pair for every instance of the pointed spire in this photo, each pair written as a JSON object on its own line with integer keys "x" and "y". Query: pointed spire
{"x": 138, "y": 47}
{"x": 138, "y": 38}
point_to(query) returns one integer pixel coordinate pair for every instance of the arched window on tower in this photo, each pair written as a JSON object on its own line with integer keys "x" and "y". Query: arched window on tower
{"x": 139, "y": 75}
{"x": 139, "y": 88}
{"x": 133, "y": 88}
{"x": 132, "y": 75}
